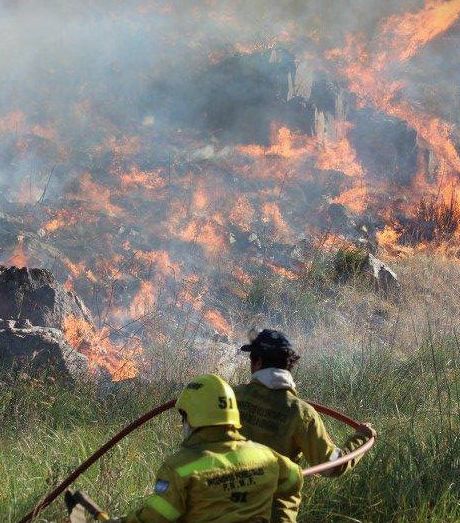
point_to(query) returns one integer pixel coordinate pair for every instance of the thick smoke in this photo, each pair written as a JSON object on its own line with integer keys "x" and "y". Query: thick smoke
{"x": 74, "y": 74}
{"x": 125, "y": 59}
{"x": 105, "y": 106}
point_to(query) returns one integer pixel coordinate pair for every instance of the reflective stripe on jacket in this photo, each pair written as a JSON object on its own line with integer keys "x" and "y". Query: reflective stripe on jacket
{"x": 218, "y": 476}
{"x": 280, "y": 419}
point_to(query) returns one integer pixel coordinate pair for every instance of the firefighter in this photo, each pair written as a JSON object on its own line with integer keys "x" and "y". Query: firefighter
{"x": 218, "y": 475}
{"x": 273, "y": 414}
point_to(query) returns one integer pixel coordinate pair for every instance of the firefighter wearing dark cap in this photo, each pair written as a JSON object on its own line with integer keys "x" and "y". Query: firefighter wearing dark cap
{"x": 217, "y": 475}
{"x": 274, "y": 415}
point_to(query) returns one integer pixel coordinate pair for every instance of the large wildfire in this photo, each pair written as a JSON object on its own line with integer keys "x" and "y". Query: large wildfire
{"x": 158, "y": 158}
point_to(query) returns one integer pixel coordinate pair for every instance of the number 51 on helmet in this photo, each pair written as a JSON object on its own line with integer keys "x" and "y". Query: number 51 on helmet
{"x": 208, "y": 400}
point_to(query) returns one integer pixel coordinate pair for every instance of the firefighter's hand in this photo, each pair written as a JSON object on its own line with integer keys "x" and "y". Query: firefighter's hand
{"x": 368, "y": 430}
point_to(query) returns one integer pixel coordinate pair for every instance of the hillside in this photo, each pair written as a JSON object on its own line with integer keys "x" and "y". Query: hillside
{"x": 173, "y": 174}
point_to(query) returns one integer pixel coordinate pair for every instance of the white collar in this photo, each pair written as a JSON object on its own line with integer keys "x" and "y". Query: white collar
{"x": 274, "y": 378}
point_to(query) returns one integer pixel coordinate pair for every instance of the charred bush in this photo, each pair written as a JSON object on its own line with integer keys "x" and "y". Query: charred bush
{"x": 434, "y": 221}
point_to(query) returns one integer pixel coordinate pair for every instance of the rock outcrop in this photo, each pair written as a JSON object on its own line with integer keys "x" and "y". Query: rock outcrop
{"x": 384, "y": 277}
{"x": 33, "y": 311}
{"x": 35, "y": 295}
{"x": 352, "y": 263}
{"x": 39, "y": 351}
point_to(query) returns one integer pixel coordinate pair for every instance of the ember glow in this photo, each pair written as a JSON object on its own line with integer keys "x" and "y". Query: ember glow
{"x": 101, "y": 352}
{"x": 18, "y": 257}
{"x": 159, "y": 160}
{"x": 365, "y": 66}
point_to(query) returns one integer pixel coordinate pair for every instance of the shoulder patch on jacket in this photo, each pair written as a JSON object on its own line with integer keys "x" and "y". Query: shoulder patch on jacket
{"x": 161, "y": 486}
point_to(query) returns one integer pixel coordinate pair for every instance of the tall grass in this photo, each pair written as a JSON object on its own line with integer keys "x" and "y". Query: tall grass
{"x": 411, "y": 475}
{"x": 395, "y": 363}
{"x": 413, "y": 472}
{"x": 49, "y": 430}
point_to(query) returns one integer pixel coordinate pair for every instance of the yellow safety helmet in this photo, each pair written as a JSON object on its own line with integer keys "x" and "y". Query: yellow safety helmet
{"x": 209, "y": 400}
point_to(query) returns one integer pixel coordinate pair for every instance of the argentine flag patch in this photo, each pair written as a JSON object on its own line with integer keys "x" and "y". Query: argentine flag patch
{"x": 161, "y": 486}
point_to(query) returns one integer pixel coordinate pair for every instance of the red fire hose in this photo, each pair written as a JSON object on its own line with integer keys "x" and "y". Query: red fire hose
{"x": 94, "y": 457}
{"x": 166, "y": 406}
{"x": 318, "y": 469}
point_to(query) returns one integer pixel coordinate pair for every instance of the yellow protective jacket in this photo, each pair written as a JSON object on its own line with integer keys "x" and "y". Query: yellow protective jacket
{"x": 218, "y": 476}
{"x": 279, "y": 418}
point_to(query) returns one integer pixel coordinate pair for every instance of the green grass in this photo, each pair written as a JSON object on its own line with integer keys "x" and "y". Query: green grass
{"x": 412, "y": 474}
{"x": 50, "y": 430}
{"x": 394, "y": 362}
{"x": 349, "y": 263}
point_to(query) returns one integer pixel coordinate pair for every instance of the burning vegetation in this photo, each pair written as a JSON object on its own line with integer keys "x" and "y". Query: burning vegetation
{"x": 157, "y": 176}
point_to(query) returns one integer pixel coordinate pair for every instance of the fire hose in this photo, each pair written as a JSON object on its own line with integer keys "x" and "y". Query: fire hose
{"x": 317, "y": 469}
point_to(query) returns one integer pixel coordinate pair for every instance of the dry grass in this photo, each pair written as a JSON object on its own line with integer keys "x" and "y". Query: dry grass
{"x": 341, "y": 317}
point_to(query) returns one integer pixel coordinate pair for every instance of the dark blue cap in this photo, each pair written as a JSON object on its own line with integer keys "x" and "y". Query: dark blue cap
{"x": 269, "y": 342}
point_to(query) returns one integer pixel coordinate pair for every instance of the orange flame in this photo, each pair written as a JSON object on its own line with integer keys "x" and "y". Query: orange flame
{"x": 399, "y": 39}
{"x": 208, "y": 235}
{"x": 200, "y": 199}
{"x": 150, "y": 180}
{"x": 216, "y": 319}
{"x": 144, "y": 299}
{"x": 242, "y": 213}
{"x": 388, "y": 237}
{"x": 100, "y": 351}
{"x": 96, "y": 198}
{"x": 354, "y": 199}
{"x": 403, "y": 35}
{"x": 161, "y": 260}
{"x": 18, "y": 257}
{"x": 365, "y": 71}
{"x": 63, "y": 218}
{"x": 285, "y": 144}
{"x": 283, "y": 272}
{"x": 242, "y": 276}
{"x": 193, "y": 292}
{"x": 340, "y": 156}
{"x": 271, "y": 213}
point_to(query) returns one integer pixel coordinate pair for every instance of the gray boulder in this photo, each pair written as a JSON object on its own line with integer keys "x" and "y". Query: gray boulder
{"x": 353, "y": 263}
{"x": 39, "y": 351}
{"x": 35, "y": 295}
{"x": 383, "y": 276}
{"x": 33, "y": 310}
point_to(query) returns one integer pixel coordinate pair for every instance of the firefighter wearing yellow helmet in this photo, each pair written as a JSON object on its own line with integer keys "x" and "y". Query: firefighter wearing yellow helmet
{"x": 217, "y": 475}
